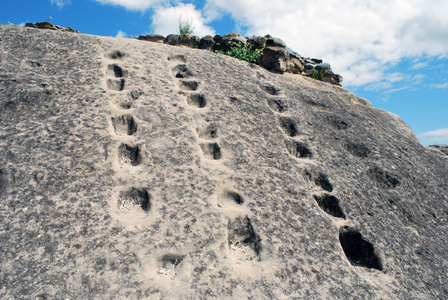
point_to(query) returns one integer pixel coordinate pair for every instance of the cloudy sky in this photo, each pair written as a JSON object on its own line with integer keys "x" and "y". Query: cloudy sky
{"x": 391, "y": 52}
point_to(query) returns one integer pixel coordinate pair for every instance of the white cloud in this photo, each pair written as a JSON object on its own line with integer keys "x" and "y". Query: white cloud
{"x": 361, "y": 39}
{"x": 439, "y": 136}
{"x": 121, "y": 34}
{"x": 134, "y": 4}
{"x": 166, "y": 20}
{"x": 397, "y": 89}
{"x": 60, "y": 3}
{"x": 437, "y": 133}
{"x": 439, "y": 85}
{"x": 419, "y": 66}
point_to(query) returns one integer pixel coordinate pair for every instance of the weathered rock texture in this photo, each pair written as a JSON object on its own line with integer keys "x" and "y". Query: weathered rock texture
{"x": 120, "y": 179}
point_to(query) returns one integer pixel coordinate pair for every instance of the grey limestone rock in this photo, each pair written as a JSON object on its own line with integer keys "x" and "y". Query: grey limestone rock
{"x": 275, "y": 58}
{"x": 259, "y": 42}
{"x": 206, "y": 42}
{"x": 239, "y": 40}
{"x": 156, "y": 38}
{"x": 227, "y": 181}
{"x": 194, "y": 41}
{"x": 48, "y": 25}
{"x": 296, "y": 66}
{"x": 323, "y": 66}
{"x": 172, "y": 39}
{"x": 275, "y": 42}
{"x": 184, "y": 39}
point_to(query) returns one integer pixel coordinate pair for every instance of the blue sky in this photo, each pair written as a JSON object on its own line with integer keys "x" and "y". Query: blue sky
{"x": 393, "y": 53}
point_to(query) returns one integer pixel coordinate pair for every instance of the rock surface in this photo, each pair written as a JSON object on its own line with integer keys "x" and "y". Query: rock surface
{"x": 227, "y": 182}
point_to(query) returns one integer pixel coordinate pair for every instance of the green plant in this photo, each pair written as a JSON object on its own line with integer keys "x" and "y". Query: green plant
{"x": 318, "y": 75}
{"x": 9, "y": 23}
{"x": 185, "y": 27}
{"x": 244, "y": 52}
{"x": 49, "y": 19}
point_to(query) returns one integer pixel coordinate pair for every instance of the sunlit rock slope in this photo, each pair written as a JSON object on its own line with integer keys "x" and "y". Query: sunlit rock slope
{"x": 133, "y": 170}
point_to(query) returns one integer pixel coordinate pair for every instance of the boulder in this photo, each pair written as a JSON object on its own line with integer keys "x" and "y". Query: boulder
{"x": 259, "y": 42}
{"x": 48, "y": 25}
{"x": 232, "y": 35}
{"x": 275, "y": 58}
{"x": 239, "y": 40}
{"x": 275, "y": 42}
{"x": 184, "y": 39}
{"x": 296, "y": 66}
{"x": 206, "y": 42}
{"x": 172, "y": 39}
{"x": 194, "y": 41}
{"x": 308, "y": 66}
{"x": 156, "y": 38}
{"x": 323, "y": 66}
{"x": 309, "y": 61}
{"x": 44, "y": 25}
{"x": 220, "y": 42}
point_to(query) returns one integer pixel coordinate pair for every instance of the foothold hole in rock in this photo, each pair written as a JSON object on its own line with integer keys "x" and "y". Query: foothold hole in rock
{"x": 177, "y": 57}
{"x": 169, "y": 264}
{"x": 233, "y": 196}
{"x": 330, "y": 205}
{"x": 189, "y": 85}
{"x": 129, "y": 155}
{"x": 323, "y": 181}
{"x": 276, "y": 105}
{"x": 271, "y": 90}
{"x": 34, "y": 64}
{"x": 197, "y": 100}
{"x": 211, "y": 151}
{"x": 115, "y": 84}
{"x": 234, "y": 100}
{"x": 135, "y": 94}
{"x": 124, "y": 125}
{"x": 242, "y": 234}
{"x": 298, "y": 149}
{"x": 115, "y": 70}
{"x": 134, "y": 197}
{"x": 358, "y": 251}
{"x": 125, "y": 104}
{"x": 288, "y": 126}
{"x": 383, "y": 178}
{"x": 181, "y": 71}
{"x": 337, "y": 123}
{"x": 116, "y": 54}
{"x": 359, "y": 150}
{"x": 210, "y": 132}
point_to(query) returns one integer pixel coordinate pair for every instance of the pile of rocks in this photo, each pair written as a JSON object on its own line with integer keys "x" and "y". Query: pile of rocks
{"x": 48, "y": 25}
{"x": 276, "y": 56}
